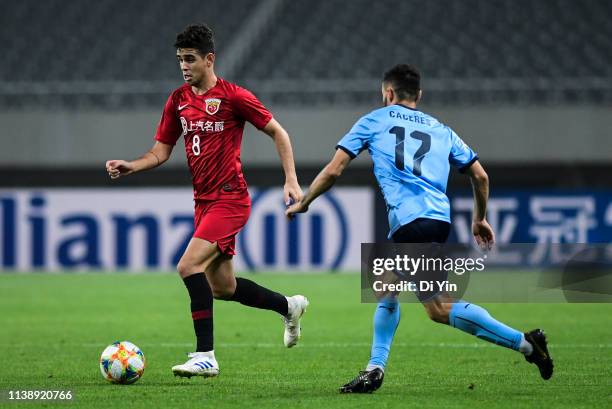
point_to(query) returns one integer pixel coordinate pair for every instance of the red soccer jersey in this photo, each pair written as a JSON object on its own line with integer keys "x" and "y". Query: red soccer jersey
{"x": 212, "y": 125}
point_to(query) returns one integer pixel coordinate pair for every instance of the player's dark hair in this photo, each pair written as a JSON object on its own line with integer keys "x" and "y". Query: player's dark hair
{"x": 198, "y": 36}
{"x": 405, "y": 80}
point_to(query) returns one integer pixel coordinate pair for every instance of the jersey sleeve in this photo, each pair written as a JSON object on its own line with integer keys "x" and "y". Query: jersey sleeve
{"x": 169, "y": 128}
{"x": 249, "y": 108}
{"x": 461, "y": 156}
{"x": 357, "y": 139}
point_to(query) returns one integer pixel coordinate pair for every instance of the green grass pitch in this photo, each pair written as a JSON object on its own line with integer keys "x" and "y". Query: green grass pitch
{"x": 53, "y": 328}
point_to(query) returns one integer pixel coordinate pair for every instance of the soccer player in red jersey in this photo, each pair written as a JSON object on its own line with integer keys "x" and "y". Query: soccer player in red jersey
{"x": 210, "y": 114}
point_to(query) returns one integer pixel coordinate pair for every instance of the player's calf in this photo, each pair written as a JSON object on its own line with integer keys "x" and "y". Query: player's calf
{"x": 251, "y": 294}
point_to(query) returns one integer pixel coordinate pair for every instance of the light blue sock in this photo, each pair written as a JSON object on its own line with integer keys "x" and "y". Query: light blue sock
{"x": 386, "y": 320}
{"x": 475, "y": 320}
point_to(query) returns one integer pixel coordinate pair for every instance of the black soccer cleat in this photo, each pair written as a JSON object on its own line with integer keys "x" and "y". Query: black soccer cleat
{"x": 540, "y": 355}
{"x": 365, "y": 382}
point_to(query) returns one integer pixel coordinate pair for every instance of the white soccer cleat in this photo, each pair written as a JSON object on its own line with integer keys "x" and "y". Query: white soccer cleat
{"x": 199, "y": 364}
{"x": 296, "y": 306}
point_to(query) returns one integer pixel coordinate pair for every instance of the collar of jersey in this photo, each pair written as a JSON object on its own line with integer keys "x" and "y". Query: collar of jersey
{"x": 407, "y": 107}
{"x": 204, "y": 94}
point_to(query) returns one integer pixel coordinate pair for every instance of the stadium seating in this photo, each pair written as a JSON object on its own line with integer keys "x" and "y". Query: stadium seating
{"x": 314, "y": 52}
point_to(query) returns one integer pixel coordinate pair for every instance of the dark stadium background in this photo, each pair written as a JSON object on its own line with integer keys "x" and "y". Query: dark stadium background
{"x": 527, "y": 84}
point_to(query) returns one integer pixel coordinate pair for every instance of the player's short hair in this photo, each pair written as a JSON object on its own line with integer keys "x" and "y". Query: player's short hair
{"x": 198, "y": 36}
{"x": 405, "y": 80}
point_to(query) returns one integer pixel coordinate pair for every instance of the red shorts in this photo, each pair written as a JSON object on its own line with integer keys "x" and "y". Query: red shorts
{"x": 220, "y": 220}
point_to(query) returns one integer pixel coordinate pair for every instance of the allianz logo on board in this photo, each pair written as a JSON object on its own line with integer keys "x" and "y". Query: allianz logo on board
{"x": 44, "y": 230}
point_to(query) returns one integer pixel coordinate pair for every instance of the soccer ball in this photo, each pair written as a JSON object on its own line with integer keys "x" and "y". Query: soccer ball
{"x": 122, "y": 362}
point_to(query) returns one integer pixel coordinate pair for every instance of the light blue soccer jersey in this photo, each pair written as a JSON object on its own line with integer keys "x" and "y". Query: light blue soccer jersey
{"x": 412, "y": 153}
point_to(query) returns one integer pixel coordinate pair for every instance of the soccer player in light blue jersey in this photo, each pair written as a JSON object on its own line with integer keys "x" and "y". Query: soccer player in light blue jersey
{"x": 412, "y": 153}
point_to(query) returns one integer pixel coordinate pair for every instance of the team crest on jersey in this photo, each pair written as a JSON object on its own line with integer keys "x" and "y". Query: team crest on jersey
{"x": 212, "y": 105}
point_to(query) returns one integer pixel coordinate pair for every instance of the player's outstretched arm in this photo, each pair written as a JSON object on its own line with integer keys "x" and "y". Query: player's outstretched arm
{"x": 482, "y": 231}
{"x": 322, "y": 183}
{"x": 159, "y": 153}
{"x": 292, "y": 190}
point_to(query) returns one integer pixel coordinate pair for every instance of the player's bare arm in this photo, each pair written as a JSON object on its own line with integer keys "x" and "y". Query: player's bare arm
{"x": 322, "y": 183}
{"x": 281, "y": 139}
{"x": 482, "y": 231}
{"x": 158, "y": 154}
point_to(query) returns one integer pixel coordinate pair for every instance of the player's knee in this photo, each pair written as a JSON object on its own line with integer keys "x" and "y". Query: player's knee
{"x": 438, "y": 314}
{"x": 223, "y": 292}
{"x": 185, "y": 268}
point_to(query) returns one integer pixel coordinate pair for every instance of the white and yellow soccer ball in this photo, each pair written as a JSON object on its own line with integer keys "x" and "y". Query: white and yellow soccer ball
{"x": 122, "y": 362}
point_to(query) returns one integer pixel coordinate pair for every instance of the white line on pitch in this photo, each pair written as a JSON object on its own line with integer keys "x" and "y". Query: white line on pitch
{"x": 352, "y": 344}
